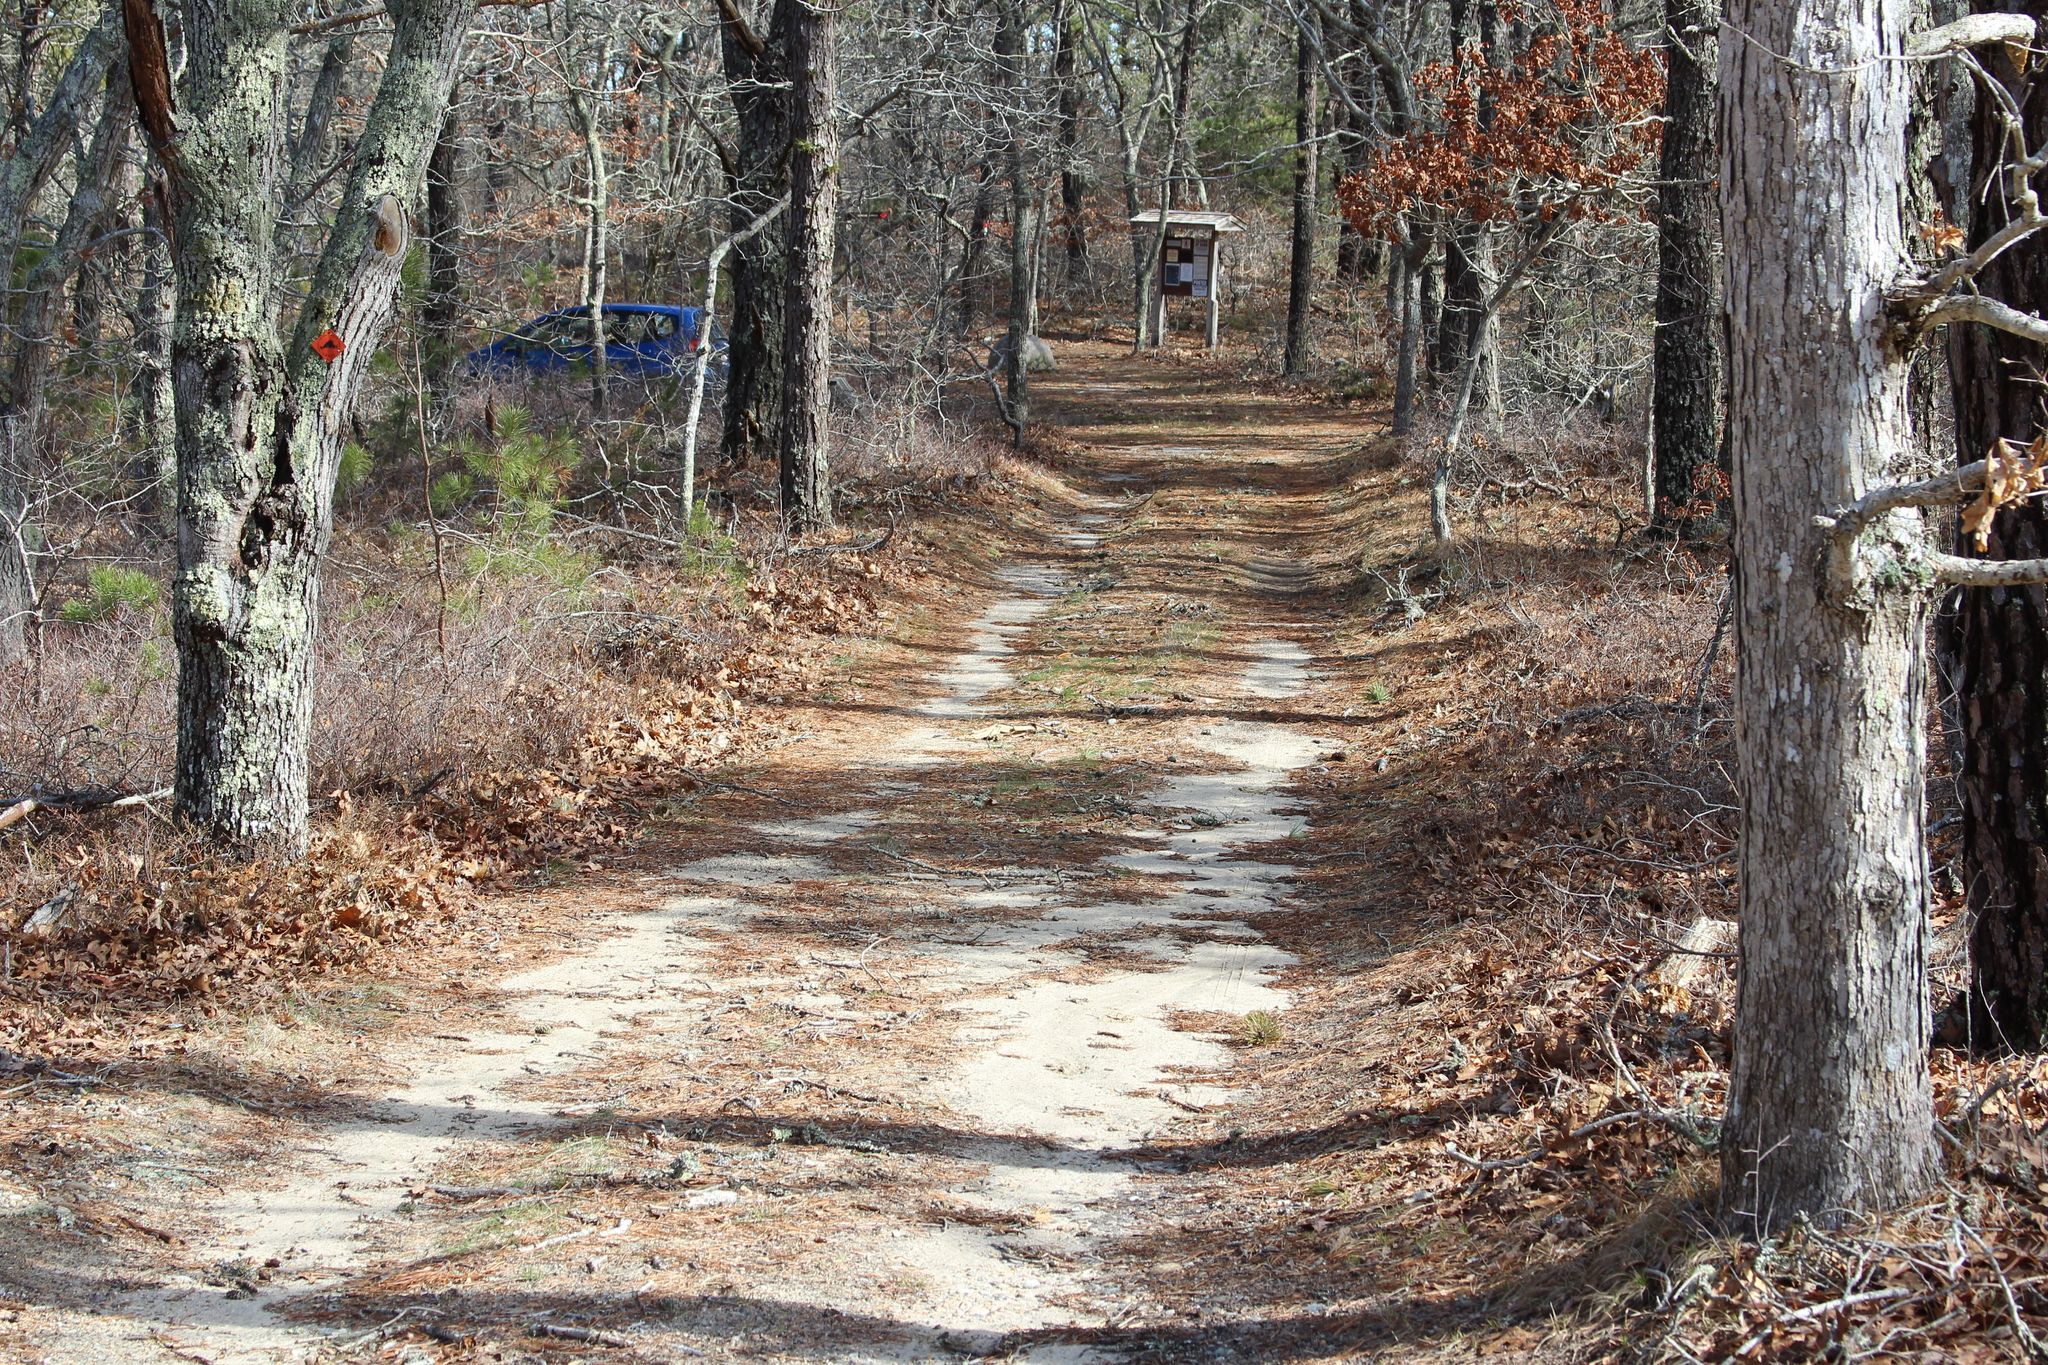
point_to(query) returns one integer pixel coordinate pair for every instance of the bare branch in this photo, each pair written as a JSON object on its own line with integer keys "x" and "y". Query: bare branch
{"x": 1944, "y": 490}
{"x": 1991, "y": 313}
{"x": 1974, "y": 30}
{"x": 1987, "y": 573}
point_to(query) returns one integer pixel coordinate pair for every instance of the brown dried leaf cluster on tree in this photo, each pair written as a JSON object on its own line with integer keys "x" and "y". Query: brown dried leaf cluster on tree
{"x": 1545, "y": 131}
{"x": 2012, "y": 474}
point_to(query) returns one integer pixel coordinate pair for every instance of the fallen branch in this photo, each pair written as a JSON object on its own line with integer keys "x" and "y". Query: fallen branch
{"x": 862, "y": 548}
{"x": 588, "y": 1336}
{"x": 736, "y": 787}
{"x": 21, "y": 807}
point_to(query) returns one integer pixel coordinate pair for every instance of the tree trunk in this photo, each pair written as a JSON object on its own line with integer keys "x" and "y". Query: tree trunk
{"x": 2000, "y": 635}
{"x": 1150, "y": 322}
{"x": 441, "y": 313}
{"x": 1830, "y": 1107}
{"x": 22, "y": 176}
{"x": 260, "y": 420}
{"x": 1009, "y": 51}
{"x": 1301, "y": 260}
{"x": 757, "y": 77}
{"x": 813, "y": 47}
{"x": 597, "y": 233}
{"x": 43, "y": 292}
{"x": 1073, "y": 185}
{"x": 1686, "y": 369}
{"x": 1410, "y": 267}
{"x": 972, "y": 249}
{"x": 155, "y": 397}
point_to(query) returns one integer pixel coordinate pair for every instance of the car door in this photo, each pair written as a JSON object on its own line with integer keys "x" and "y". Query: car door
{"x": 626, "y": 346}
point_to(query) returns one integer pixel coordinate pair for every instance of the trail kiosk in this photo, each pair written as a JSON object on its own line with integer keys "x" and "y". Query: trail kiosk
{"x": 1190, "y": 262}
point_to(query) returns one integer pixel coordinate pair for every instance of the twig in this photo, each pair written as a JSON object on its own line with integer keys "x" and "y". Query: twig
{"x": 2023, "y": 1333}
{"x": 1820, "y": 1310}
{"x": 695, "y": 776}
{"x": 588, "y": 1336}
{"x": 865, "y": 547}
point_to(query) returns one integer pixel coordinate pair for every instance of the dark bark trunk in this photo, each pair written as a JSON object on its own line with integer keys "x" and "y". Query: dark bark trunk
{"x": 1429, "y": 297}
{"x": 967, "y": 297}
{"x": 1686, "y": 367}
{"x": 757, "y": 74}
{"x": 807, "y": 298}
{"x": 2000, "y": 635}
{"x": 1016, "y": 377}
{"x": 441, "y": 313}
{"x": 1410, "y": 272}
{"x": 1301, "y": 266}
{"x": 1073, "y": 183}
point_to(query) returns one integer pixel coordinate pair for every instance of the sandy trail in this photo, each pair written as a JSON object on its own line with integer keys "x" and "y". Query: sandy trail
{"x": 1065, "y": 1079}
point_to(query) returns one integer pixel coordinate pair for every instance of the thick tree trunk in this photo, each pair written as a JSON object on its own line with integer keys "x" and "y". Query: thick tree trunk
{"x": 2000, "y": 635}
{"x": 757, "y": 78}
{"x": 813, "y": 47}
{"x": 260, "y": 421}
{"x": 1301, "y": 260}
{"x": 1685, "y": 389}
{"x": 1830, "y": 1109}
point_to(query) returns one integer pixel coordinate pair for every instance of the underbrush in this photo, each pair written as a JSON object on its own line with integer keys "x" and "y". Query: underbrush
{"x": 1495, "y": 1112}
{"x": 515, "y": 640}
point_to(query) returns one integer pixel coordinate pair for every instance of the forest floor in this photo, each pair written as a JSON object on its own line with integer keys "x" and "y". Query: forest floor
{"x": 1059, "y": 989}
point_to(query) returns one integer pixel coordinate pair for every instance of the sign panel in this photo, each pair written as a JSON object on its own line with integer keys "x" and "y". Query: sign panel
{"x": 1185, "y": 267}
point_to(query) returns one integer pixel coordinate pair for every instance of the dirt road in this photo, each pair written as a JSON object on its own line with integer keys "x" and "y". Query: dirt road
{"x": 887, "y": 1054}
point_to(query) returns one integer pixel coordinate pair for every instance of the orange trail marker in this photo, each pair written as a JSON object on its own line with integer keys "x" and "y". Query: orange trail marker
{"x": 329, "y": 345}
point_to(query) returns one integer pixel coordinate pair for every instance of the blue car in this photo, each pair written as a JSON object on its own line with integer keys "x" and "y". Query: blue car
{"x": 648, "y": 339}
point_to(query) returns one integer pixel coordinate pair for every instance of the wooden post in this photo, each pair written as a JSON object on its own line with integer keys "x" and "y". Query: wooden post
{"x": 1211, "y": 314}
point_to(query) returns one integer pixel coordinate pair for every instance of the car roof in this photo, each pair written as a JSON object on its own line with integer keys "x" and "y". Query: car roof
{"x": 581, "y": 309}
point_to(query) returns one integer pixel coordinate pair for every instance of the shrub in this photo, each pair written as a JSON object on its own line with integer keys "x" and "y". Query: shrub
{"x": 111, "y": 589}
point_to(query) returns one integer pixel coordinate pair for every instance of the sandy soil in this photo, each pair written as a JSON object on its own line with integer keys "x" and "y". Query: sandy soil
{"x": 889, "y": 1056}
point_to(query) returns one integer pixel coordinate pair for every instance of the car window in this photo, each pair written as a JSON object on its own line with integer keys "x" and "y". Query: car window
{"x": 562, "y": 331}
{"x": 629, "y": 327}
{"x": 661, "y": 326}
